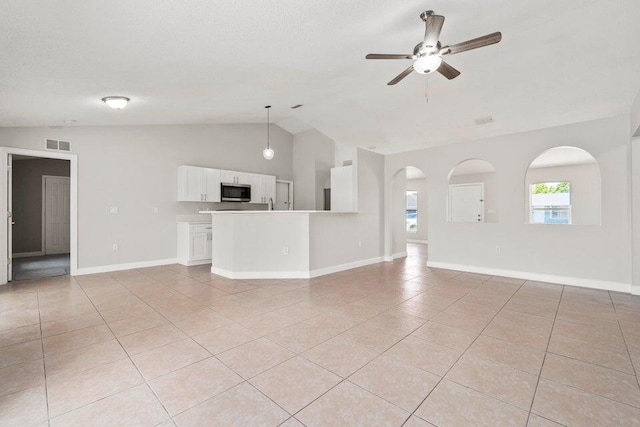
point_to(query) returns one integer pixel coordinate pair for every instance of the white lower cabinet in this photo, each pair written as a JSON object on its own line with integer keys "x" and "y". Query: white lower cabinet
{"x": 194, "y": 243}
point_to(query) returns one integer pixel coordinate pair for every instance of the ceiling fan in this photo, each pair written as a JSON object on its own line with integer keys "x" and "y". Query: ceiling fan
{"x": 427, "y": 54}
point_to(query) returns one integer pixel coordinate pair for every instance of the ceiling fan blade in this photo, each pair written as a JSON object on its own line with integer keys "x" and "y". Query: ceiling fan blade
{"x": 401, "y": 76}
{"x": 487, "y": 40}
{"x": 388, "y": 56}
{"x": 448, "y": 71}
{"x": 432, "y": 33}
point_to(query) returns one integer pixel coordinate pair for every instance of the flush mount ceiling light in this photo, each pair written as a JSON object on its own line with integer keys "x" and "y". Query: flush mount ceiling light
{"x": 116, "y": 102}
{"x": 268, "y": 152}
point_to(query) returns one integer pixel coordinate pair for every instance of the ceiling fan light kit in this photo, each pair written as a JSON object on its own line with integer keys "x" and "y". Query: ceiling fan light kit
{"x": 116, "y": 102}
{"x": 427, "y": 55}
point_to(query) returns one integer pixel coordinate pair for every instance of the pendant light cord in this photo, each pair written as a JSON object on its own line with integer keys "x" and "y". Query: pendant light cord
{"x": 268, "y": 107}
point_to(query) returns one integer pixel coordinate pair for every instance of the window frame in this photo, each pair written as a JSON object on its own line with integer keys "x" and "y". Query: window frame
{"x": 407, "y": 210}
{"x": 569, "y": 207}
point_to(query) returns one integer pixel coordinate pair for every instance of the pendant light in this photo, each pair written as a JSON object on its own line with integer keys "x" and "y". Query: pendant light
{"x": 268, "y": 152}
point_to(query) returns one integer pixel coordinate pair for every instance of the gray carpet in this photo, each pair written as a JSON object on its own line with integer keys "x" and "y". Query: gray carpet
{"x": 41, "y": 266}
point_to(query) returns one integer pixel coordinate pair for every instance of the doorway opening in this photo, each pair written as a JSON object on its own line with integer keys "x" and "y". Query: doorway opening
{"x": 409, "y": 216}
{"x": 41, "y": 205}
{"x": 284, "y": 195}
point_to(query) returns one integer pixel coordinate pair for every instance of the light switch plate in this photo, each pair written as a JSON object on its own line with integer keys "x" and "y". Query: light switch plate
{"x": 155, "y": 210}
{"x": 113, "y": 210}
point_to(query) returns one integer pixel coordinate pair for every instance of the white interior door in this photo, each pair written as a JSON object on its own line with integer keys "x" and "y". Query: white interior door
{"x": 282, "y": 196}
{"x": 9, "y": 217}
{"x": 466, "y": 203}
{"x": 57, "y": 218}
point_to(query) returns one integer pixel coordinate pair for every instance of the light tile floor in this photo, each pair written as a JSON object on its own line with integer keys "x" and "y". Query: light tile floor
{"x": 388, "y": 344}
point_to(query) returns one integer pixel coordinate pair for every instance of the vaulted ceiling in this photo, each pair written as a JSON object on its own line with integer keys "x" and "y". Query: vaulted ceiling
{"x": 207, "y": 61}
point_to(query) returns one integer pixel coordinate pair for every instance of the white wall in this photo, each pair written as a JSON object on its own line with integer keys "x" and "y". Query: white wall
{"x": 361, "y": 234}
{"x": 584, "y": 255}
{"x": 313, "y": 158}
{"x": 135, "y": 169}
{"x": 635, "y": 116}
{"x": 585, "y": 189}
{"x": 398, "y": 212}
{"x": 420, "y": 185}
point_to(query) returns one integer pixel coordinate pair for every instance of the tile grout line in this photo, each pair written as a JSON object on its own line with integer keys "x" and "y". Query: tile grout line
{"x": 125, "y": 351}
{"x": 464, "y": 352}
{"x": 544, "y": 359}
{"x": 624, "y": 339}
{"x": 44, "y": 363}
{"x": 362, "y": 367}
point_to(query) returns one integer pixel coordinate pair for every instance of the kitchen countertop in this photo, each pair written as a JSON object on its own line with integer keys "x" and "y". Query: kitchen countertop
{"x": 273, "y": 212}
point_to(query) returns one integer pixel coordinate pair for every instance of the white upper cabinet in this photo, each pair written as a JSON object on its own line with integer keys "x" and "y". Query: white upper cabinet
{"x": 263, "y": 188}
{"x": 197, "y": 184}
{"x": 343, "y": 194}
{"x": 233, "y": 177}
{"x": 269, "y": 191}
{"x": 212, "y": 188}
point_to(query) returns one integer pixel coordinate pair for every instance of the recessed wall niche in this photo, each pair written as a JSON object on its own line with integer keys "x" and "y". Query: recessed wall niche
{"x": 473, "y": 192}
{"x": 563, "y": 187}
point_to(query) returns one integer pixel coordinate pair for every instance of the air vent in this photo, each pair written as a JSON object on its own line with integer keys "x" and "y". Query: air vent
{"x": 484, "y": 120}
{"x": 54, "y": 144}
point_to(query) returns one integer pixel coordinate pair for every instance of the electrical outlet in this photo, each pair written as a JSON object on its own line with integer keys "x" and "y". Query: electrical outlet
{"x": 359, "y": 243}
{"x": 285, "y": 250}
{"x": 498, "y": 249}
{"x": 114, "y": 246}
{"x": 156, "y": 210}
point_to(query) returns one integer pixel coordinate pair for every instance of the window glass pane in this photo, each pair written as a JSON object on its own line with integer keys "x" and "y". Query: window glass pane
{"x": 550, "y": 203}
{"x": 412, "y": 211}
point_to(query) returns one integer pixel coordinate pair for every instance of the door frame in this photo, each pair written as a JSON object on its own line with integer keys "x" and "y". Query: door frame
{"x": 466, "y": 184}
{"x": 73, "y": 200}
{"x": 290, "y": 183}
{"x": 43, "y": 244}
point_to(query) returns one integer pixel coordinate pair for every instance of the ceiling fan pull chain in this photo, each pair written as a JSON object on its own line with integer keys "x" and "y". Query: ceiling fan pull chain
{"x": 426, "y": 89}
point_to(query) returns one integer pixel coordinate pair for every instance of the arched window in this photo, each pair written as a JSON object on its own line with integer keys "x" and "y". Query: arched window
{"x": 563, "y": 187}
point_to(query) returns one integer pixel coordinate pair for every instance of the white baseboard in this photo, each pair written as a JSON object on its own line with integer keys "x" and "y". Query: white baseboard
{"x": 240, "y": 275}
{"x": 127, "y": 266}
{"x": 303, "y": 274}
{"x": 27, "y": 254}
{"x": 526, "y": 275}
{"x": 192, "y": 263}
{"x": 395, "y": 256}
{"x": 422, "y": 242}
{"x": 342, "y": 267}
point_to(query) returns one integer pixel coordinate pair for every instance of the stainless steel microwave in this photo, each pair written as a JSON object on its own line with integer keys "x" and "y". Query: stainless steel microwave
{"x": 235, "y": 192}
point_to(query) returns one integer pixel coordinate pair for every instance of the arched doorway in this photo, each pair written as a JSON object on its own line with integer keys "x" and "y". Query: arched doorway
{"x": 408, "y": 213}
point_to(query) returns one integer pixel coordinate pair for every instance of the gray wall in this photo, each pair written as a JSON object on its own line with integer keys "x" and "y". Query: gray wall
{"x": 591, "y": 253}
{"x": 135, "y": 169}
{"x": 313, "y": 158}
{"x": 398, "y": 212}
{"x": 419, "y": 185}
{"x": 585, "y": 189}
{"x": 27, "y": 200}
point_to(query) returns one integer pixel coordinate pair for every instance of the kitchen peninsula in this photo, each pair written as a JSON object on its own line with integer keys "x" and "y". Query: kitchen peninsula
{"x": 286, "y": 244}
